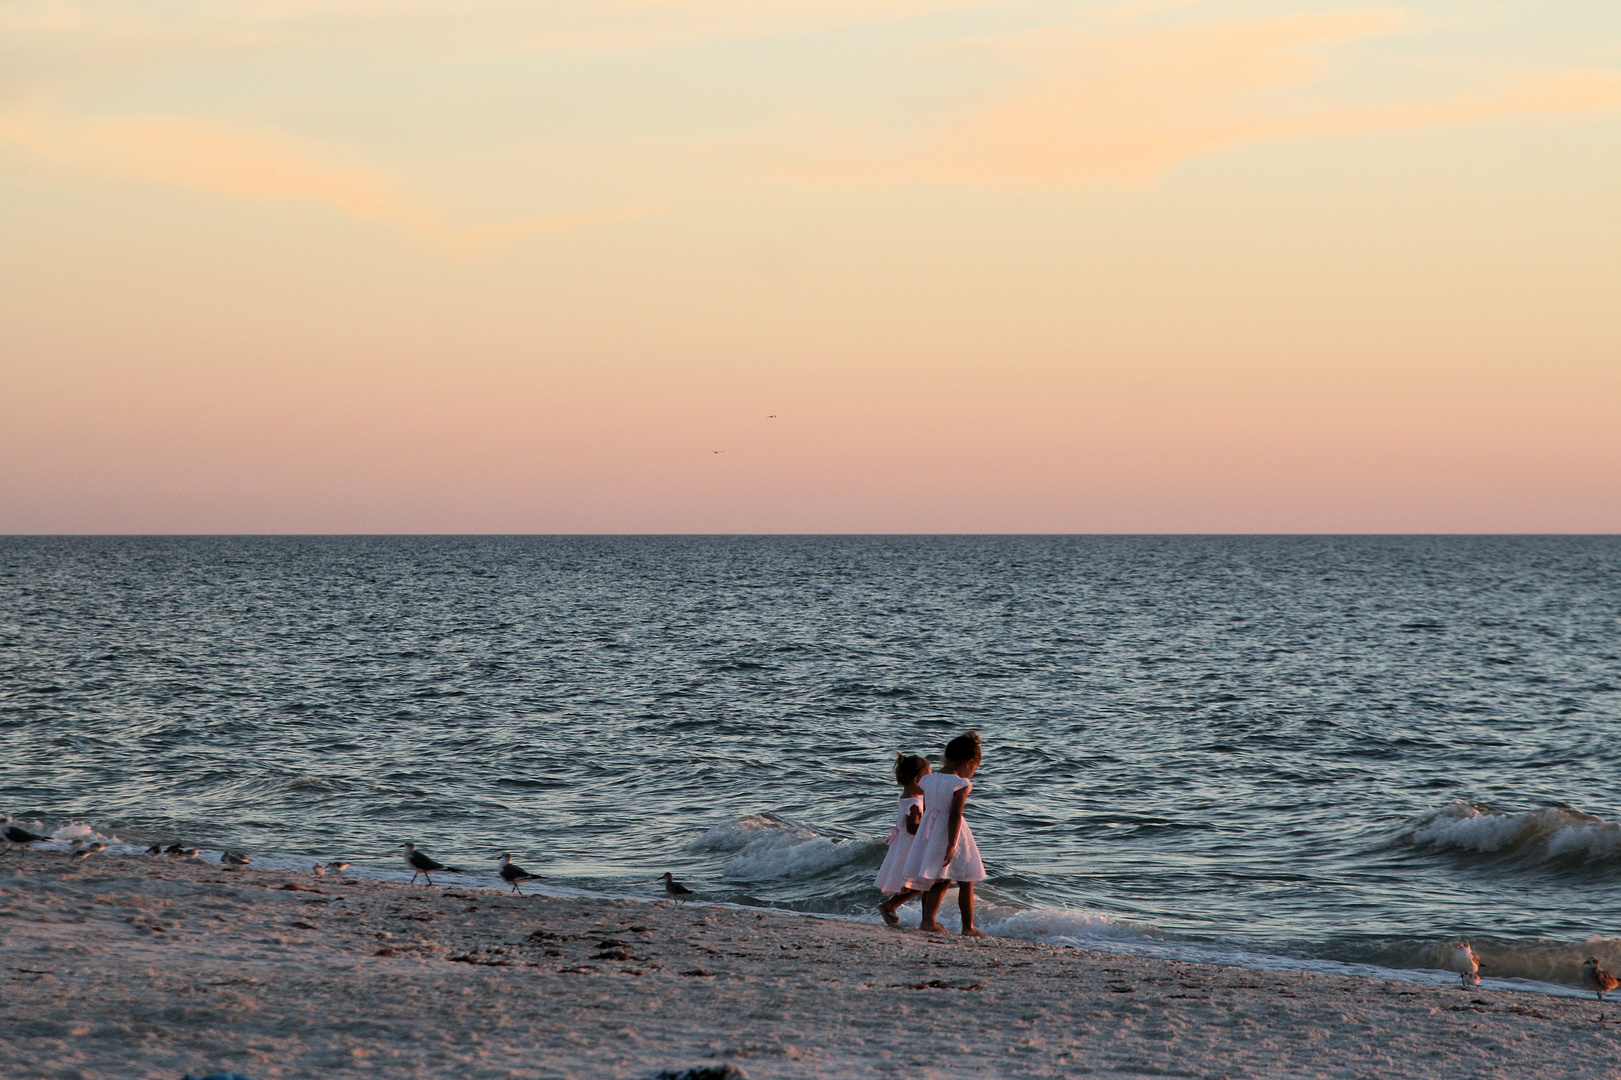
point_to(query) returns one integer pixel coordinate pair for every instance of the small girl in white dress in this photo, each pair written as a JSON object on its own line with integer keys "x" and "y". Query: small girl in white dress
{"x": 892, "y": 875}
{"x": 944, "y": 850}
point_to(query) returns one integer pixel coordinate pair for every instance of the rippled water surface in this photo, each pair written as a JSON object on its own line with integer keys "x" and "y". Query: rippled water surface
{"x": 1341, "y": 750}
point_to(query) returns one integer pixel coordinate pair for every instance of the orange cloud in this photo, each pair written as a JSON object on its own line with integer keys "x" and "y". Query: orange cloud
{"x": 264, "y": 165}
{"x": 1112, "y": 105}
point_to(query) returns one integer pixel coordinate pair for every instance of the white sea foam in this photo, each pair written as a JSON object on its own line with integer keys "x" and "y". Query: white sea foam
{"x": 1063, "y": 926}
{"x": 1549, "y": 833}
{"x": 766, "y": 849}
{"x": 64, "y": 835}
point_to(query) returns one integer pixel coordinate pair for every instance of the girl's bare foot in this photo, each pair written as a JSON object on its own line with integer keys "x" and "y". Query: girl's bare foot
{"x": 889, "y": 915}
{"x": 972, "y": 932}
{"x": 932, "y": 928}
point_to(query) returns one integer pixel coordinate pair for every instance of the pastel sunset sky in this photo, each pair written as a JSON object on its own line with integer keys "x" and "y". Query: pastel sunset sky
{"x": 909, "y": 265}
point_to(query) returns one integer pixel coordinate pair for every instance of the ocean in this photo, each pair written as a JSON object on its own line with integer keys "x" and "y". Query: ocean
{"x": 1328, "y": 753}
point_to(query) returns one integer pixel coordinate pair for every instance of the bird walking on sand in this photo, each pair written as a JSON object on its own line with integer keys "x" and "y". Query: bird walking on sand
{"x": 174, "y": 850}
{"x": 235, "y": 858}
{"x": 421, "y": 864}
{"x": 1466, "y": 963}
{"x": 513, "y": 874}
{"x": 677, "y": 890}
{"x": 17, "y": 836}
{"x": 155, "y": 849}
{"x": 1598, "y": 980}
{"x": 319, "y": 870}
{"x": 337, "y": 867}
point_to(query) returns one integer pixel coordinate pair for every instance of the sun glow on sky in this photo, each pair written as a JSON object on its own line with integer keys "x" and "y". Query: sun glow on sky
{"x": 910, "y": 265}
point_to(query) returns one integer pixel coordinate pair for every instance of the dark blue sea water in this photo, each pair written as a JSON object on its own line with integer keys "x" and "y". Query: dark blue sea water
{"x": 1306, "y": 751}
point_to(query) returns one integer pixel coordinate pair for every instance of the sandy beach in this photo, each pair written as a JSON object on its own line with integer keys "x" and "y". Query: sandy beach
{"x": 133, "y": 966}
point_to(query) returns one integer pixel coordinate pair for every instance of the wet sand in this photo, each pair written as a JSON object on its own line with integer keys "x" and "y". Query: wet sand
{"x": 132, "y": 967}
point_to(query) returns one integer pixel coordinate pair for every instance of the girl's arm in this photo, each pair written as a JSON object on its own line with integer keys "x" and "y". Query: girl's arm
{"x": 954, "y": 823}
{"x": 913, "y": 816}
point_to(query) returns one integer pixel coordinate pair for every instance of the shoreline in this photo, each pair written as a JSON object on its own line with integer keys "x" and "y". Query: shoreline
{"x": 1028, "y": 924}
{"x": 126, "y": 966}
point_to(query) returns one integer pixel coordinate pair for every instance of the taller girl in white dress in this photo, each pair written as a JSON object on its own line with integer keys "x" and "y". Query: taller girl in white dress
{"x": 944, "y": 851}
{"x": 909, "y": 813}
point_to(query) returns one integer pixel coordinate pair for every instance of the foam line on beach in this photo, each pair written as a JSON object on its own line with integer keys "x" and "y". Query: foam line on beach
{"x": 769, "y": 842}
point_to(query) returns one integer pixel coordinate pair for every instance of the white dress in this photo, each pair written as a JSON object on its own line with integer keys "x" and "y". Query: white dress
{"x": 892, "y": 875}
{"x": 928, "y": 852}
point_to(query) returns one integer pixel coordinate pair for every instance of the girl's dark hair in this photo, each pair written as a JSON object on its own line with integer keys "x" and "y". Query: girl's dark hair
{"x": 908, "y": 767}
{"x": 963, "y": 748}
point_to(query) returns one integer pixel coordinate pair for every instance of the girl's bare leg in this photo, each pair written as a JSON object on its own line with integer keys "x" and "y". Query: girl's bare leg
{"x": 965, "y": 904}
{"x": 931, "y": 907}
{"x": 888, "y": 908}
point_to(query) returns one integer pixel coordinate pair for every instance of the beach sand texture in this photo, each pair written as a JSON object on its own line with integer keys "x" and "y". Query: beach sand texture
{"x": 133, "y": 967}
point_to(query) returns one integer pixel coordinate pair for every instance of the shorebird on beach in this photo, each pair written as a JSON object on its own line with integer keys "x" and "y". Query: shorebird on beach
{"x": 421, "y": 864}
{"x": 17, "y": 836}
{"x": 337, "y": 867}
{"x": 513, "y": 874}
{"x": 1466, "y": 963}
{"x": 89, "y": 850}
{"x": 155, "y": 849}
{"x": 174, "y": 851}
{"x": 192, "y": 854}
{"x": 677, "y": 890}
{"x": 235, "y": 858}
{"x": 319, "y": 870}
{"x": 1598, "y": 980}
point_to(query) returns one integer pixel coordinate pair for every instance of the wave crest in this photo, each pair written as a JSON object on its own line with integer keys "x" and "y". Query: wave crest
{"x": 1551, "y": 835}
{"x": 765, "y": 848}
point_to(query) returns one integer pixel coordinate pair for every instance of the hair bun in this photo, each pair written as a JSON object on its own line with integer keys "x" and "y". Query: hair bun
{"x": 964, "y": 747}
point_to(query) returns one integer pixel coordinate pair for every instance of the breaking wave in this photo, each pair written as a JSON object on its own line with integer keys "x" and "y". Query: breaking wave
{"x": 1552, "y": 835}
{"x": 764, "y": 848}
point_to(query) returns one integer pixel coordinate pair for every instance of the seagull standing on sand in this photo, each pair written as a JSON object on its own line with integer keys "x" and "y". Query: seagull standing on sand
{"x": 513, "y": 874}
{"x": 18, "y": 836}
{"x": 1466, "y": 963}
{"x": 1598, "y": 980}
{"x": 677, "y": 890}
{"x": 423, "y": 865}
